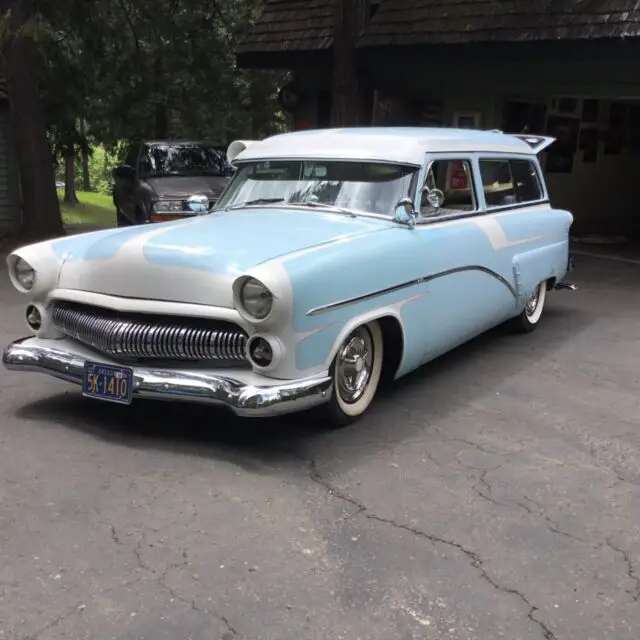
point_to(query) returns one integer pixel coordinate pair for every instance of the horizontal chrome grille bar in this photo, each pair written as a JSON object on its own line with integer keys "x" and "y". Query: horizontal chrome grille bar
{"x": 126, "y": 336}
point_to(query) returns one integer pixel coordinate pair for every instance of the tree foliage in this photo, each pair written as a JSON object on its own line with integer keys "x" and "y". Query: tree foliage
{"x": 157, "y": 68}
{"x": 135, "y": 69}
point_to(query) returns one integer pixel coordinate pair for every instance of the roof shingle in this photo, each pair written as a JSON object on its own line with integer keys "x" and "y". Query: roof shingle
{"x": 291, "y": 25}
{"x": 416, "y": 22}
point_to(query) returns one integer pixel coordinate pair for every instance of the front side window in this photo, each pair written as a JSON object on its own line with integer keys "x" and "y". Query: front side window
{"x": 451, "y": 181}
{"x": 183, "y": 160}
{"x": 366, "y": 187}
{"x": 507, "y": 182}
{"x": 132, "y": 156}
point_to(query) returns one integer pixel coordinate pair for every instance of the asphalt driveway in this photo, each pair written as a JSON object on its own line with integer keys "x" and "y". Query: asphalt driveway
{"x": 493, "y": 494}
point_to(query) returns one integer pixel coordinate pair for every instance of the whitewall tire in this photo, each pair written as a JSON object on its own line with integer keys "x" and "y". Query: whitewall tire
{"x": 356, "y": 372}
{"x": 530, "y": 317}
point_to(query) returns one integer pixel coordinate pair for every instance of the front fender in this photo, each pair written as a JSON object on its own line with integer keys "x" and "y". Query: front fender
{"x": 46, "y": 264}
{"x": 316, "y": 352}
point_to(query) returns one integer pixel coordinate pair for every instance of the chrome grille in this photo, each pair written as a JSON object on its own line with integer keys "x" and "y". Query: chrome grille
{"x": 136, "y": 336}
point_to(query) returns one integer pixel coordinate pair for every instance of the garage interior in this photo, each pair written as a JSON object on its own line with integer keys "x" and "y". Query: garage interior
{"x": 593, "y": 167}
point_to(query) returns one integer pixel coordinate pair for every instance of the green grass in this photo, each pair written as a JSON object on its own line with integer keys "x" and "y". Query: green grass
{"x": 95, "y": 209}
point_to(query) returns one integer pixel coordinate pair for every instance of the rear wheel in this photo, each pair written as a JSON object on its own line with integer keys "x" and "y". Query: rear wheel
{"x": 528, "y": 320}
{"x": 356, "y": 372}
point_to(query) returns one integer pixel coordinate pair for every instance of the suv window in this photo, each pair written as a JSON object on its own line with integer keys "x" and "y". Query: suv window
{"x": 453, "y": 179}
{"x": 181, "y": 158}
{"x": 507, "y": 182}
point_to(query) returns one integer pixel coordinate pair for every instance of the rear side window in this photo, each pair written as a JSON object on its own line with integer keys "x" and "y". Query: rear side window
{"x": 509, "y": 182}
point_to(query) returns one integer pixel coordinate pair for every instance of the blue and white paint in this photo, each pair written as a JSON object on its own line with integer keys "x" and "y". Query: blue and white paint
{"x": 443, "y": 282}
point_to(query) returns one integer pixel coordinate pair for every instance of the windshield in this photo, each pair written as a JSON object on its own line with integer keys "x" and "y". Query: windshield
{"x": 183, "y": 159}
{"x": 366, "y": 187}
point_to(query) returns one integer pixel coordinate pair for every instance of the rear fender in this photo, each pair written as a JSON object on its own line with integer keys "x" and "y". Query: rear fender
{"x": 533, "y": 267}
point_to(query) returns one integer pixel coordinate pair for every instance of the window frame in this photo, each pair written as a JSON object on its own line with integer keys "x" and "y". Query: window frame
{"x": 510, "y": 157}
{"x": 451, "y": 157}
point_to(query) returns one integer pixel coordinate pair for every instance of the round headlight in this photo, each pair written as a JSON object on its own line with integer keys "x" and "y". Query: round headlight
{"x": 24, "y": 274}
{"x": 256, "y": 299}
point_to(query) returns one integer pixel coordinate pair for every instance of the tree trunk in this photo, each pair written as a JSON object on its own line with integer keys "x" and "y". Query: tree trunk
{"x": 260, "y": 108}
{"x": 86, "y": 178}
{"x": 70, "y": 195}
{"x": 40, "y": 207}
{"x": 161, "y": 115}
{"x": 348, "y": 100}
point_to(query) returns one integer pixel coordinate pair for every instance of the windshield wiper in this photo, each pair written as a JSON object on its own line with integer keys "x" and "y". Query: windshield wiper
{"x": 248, "y": 203}
{"x": 323, "y": 205}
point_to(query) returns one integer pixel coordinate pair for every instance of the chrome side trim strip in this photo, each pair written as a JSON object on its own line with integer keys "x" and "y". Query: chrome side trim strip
{"x": 169, "y": 384}
{"x": 411, "y": 283}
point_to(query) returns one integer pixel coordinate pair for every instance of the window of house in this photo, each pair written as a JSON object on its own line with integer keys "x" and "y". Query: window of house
{"x": 453, "y": 179}
{"x": 509, "y": 182}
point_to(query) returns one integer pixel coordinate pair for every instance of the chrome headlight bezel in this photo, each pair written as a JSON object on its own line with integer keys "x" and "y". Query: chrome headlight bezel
{"x": 23, "y": 275}
{"x": 255, "y": 299}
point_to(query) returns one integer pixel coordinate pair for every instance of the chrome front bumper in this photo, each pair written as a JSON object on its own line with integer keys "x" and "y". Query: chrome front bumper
{"x": 244, "y": 392}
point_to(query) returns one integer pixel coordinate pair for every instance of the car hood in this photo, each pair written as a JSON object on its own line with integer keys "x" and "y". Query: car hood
{"x": 181, "y": 187}
{"x": 196, "y": 260}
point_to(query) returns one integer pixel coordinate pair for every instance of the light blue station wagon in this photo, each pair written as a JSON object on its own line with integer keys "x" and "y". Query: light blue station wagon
{"x": 335, "y": 260}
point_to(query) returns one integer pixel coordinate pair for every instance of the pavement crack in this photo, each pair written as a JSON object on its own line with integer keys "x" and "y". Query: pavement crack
{"x": 484, "y": 488}
{"x": 485, "y": 495}
{"x": 474, "y": 559}
{"x": 54, "y": 623}
{"x": 161, "y": 581}
{"x": 631, "y": 573}
{"x": 76, "y": 609}
{"x": 552, "y": 525}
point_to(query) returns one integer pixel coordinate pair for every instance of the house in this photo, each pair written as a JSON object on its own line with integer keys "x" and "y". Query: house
{"x": 9, "y": 189}
{"x": 567, "y": 68}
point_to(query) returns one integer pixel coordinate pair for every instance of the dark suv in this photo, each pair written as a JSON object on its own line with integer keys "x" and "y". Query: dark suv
{"x": 168, "y": 180}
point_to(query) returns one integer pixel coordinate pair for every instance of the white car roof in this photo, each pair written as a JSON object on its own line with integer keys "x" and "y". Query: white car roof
{"x": 402, "y": 145}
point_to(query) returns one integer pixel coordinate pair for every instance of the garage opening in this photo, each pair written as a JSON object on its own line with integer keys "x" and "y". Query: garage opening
{"x": 593, "y": 169}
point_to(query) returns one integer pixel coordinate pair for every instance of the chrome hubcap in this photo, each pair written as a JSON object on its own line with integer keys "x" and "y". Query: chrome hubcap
{"x": 532, "y": 303}
{"x": 354, "y": 365}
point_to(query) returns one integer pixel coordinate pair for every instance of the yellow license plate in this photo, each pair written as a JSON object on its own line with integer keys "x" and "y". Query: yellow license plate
{"x": 107, "y": 382}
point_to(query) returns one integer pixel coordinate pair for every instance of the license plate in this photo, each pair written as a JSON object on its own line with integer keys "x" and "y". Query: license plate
{"x": 105, "y": 382}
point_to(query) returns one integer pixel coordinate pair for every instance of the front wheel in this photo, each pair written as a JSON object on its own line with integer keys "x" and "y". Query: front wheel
{"x": 356, "y": 372}
{"x": 528, "y": 320}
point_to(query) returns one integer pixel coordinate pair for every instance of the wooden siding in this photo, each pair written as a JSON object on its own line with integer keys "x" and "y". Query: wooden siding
{"x": 7, "y": 209}
{"x": 420, "y": 22}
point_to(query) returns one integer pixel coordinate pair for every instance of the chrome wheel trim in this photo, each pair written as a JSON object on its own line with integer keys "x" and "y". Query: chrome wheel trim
{"x": 533, "y": 302}
{"x": 354, "y": 365}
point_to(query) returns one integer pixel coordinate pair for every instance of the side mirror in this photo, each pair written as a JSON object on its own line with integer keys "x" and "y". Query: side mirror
{"x": 124, "y": 172}
{"x": 405, "y": 213}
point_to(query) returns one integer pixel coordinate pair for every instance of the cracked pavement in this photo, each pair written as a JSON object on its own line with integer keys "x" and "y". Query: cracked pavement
{"x": 493, "y": 494}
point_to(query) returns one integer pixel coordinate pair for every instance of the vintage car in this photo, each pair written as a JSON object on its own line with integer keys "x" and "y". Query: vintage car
{"x": 334, "y": 260}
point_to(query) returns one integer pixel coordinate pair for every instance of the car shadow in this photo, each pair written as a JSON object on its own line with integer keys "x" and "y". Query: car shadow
{"x": 268, "y": 445}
